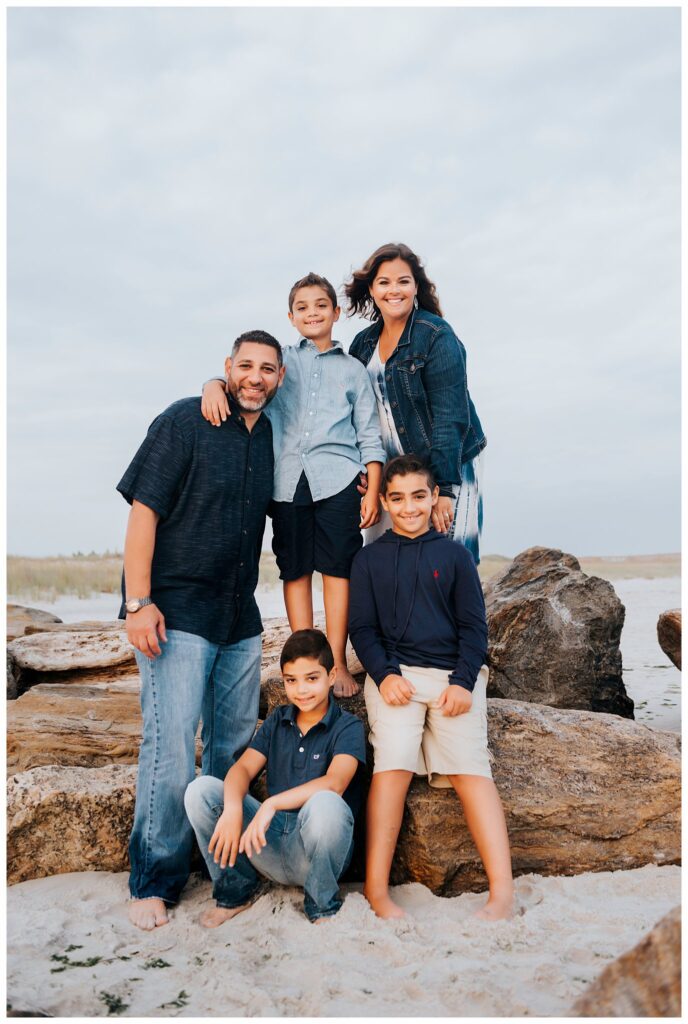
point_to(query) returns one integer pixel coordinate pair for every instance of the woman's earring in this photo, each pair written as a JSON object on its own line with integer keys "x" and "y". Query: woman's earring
{"x": 415, "y": 302}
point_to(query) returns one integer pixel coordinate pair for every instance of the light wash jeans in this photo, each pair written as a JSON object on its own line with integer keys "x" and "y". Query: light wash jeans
{"x": 310, "y": 847}
{"x": 190, "y": 680}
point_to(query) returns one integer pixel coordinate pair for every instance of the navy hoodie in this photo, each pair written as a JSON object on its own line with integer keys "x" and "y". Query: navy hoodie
{"x": 418, "y": 601}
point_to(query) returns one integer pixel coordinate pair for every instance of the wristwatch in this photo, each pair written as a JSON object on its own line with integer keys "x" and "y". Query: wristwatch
{"x": 134, "y": 603}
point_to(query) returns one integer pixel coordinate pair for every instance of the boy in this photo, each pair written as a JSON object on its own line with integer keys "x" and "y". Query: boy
{"x": 326, "y": 431}
{"x": 418, "y": 625}
{"x": 303, "y": 833}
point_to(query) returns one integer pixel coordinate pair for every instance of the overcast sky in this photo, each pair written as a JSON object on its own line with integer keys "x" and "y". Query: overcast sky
{"x": 171, "y": 172}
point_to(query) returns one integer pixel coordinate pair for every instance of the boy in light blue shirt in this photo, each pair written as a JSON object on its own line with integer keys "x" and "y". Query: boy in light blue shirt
{"x": 326, "y": 432}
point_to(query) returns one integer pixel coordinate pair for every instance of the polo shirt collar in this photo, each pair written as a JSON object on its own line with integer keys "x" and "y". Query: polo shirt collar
{"x": 327, "y": 721}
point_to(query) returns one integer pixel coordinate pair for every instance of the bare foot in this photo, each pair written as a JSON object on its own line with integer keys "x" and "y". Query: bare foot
{"x": 344, "y": 684}
{"x": 216, "y": 916}
{"x": 499, "y": 907}
{"x": 148, "y": 914}
{"x": 383, "y": 905}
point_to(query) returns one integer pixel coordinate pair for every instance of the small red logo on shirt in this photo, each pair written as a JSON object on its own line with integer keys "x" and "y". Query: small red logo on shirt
{"x": 436, "y": 574}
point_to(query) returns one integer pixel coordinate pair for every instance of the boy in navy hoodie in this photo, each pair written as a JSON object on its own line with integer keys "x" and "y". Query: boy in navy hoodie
{"x": 417, "y": 623}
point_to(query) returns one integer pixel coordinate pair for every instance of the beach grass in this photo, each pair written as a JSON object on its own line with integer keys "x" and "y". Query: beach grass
{"x": 83, "y": 575}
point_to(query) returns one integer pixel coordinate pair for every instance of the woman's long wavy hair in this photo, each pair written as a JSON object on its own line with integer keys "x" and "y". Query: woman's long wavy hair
{"x": 357, "y": 289}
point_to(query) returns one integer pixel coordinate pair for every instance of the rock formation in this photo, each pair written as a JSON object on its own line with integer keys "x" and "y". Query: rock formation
{"x": 69, "y": 819}
{"x": 554, "y": 635}
{"x": 645, "y": 982}
{"x": 669, "y": 635}
{"x": 19, "y": 618}
{"x": 570, "y": 782}
{"x": 72, "y": 650}
{"x": 581, "y": 792}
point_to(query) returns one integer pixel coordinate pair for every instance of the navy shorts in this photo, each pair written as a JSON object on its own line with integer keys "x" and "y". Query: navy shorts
{"x": 317, "y": 536}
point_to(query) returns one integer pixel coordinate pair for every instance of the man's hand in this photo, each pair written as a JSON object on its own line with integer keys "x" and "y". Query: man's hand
{"x": 370, "y": 510}
{"x": 224, "y": 842}
{"x": 145, "y": 628}
{"x": 443, "y": 514}
{"x": 455, "y": 700}
{"x": 253, "y": 839}
{"x": 396, "y": 690}
{"x": 214, "y": 404}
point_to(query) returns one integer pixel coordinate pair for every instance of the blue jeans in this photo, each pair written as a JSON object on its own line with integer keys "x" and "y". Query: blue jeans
{"x": 311, "y": 847}
{"x": 190, "y": 680}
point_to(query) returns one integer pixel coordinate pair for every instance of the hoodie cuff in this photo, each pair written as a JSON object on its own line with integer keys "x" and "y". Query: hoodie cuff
{"x": 456, "y": 679}
{"x": 390, "y": 670}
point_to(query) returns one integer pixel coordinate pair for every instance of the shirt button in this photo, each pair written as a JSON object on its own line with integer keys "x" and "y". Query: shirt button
{"x": 402, "y": 430}
{"x": 388, "y": 376}
{"x": 313, "y": 393}
{"x": 308, "y": 434}
{"x": 310, "y": 413}
{"x": 394, "y": 405}
{"x": 300, "y": 750}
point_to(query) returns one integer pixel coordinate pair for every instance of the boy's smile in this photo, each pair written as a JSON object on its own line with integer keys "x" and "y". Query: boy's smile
{"x": 409, "y": 502}
{"x": 307, "y": 684}
{"x": 313, "y": 314}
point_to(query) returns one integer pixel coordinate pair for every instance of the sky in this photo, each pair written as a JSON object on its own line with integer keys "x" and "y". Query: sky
{"x": 172, "y": 171}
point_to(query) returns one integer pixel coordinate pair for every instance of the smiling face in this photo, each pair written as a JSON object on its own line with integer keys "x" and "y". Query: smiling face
{"x": 410, "y": 502}
{"x": 307, "y": 684}
{"x": 393, "y": 289}
{"x": 253, "y": 375}
{"x": 313, "y": 314}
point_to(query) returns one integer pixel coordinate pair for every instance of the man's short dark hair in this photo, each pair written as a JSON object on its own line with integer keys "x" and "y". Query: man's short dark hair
{"x": 259, "y": 338}
{"x": 402, "y": 465}
{"x": 308, "y": 643}
{"x": 313, "y": 281}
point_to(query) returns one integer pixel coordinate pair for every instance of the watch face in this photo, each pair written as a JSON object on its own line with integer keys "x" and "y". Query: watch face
{"x": 133, "y": 605}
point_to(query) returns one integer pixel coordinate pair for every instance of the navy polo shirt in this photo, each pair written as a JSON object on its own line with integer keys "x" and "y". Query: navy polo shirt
{"x": 294, "y": 758}
{"x": 211, "y": 487}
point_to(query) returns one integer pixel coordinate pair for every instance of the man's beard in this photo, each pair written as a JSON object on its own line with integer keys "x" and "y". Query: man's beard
{"x": 254, "y": 404}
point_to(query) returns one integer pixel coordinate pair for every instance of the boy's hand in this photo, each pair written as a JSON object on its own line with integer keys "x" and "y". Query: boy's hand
{"x": 214, "y": 404}
{"x": 370, "y": 510}
{"x": 253, "y": 839}
{"x": 443, "y": 514}
{"x": 396, "y": 690}
{"x": 224, "y": 842}
{"x": 145, "y": 630}
{"x": 455, "y": 700}
{"x": 362, "y": 483}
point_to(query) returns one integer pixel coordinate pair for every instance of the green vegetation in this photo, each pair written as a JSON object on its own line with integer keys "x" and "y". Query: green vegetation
{"x": 114, "y": 1003}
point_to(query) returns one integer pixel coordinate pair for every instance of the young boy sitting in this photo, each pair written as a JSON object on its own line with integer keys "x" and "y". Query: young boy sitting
{"x": 418, "y": 625}
{"x": 303, "y": 833}
{"x": 326, "y": 431}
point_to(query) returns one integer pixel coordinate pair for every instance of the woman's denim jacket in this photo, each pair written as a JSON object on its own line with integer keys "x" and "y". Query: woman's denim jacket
{"x": 428, "y": 391}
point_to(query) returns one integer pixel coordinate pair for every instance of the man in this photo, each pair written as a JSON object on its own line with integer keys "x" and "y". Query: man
{"x": 199, "y": 497}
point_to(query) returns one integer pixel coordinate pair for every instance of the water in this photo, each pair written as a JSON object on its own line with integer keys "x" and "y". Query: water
{"x": 650, "y": 678}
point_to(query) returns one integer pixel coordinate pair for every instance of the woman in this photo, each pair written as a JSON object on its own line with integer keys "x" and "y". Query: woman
{"x": 417, "y": 367}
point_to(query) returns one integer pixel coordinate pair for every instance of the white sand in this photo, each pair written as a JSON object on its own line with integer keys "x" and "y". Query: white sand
{"x": 270, "y": 961}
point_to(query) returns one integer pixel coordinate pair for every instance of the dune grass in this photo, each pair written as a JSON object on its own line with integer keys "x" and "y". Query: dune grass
{"x": 83, "y": 575}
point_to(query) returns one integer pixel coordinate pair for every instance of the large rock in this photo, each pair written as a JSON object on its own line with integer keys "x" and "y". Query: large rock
{"x": 69, "y": 819}
{"x": 84, "y": 724}
{"x": 554, "y": 635}
{"x": 669, "y": 635}
{"x": 581, "y": 792}
{"x": 73, "y": 650}
{"x": 13, "y": 677}
{"x": 645, "y": 982}
{"x": 20, "y": 617}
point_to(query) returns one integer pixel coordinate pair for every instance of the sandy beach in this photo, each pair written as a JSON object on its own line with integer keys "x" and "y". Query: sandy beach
{"x": 438, "y": 962}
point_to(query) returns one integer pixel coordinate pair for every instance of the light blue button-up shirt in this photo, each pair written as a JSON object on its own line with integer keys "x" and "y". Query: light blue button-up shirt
{"x": 324, "y": 420}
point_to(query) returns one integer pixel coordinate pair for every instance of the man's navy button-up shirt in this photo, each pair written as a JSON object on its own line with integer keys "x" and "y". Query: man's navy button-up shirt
{"x": 211, "y": 487}
{"x": 294, "y": 759}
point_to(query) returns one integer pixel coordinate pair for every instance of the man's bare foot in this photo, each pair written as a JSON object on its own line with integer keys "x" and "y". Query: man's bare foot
{"x": 383, "y": 905}
{"x": 499, "y": 907}
{"x": 216, "y": 916}
{"x": 344, "y": 684}
{"x": 148, "y": 914}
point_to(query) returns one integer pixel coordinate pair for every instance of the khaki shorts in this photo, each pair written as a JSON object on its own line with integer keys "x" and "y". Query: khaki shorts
{"x": 417, "y": 737}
